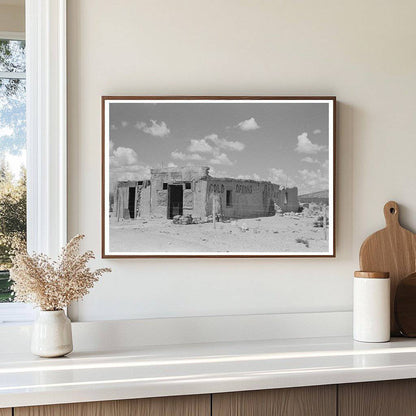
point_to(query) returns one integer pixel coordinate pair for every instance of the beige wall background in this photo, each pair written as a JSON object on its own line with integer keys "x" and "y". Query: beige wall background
{"x": 12, "y": 17}
{"x": 364, "y": 52}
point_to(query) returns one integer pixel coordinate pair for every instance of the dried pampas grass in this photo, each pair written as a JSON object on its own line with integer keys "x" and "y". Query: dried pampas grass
{"x": 53, "y": 285}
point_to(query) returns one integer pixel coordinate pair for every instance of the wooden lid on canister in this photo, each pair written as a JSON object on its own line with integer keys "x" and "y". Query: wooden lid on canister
{"x": 372, "y": 275}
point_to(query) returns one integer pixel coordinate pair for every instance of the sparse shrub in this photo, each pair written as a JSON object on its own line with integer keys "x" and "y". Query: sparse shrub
{"x": 303, "y": 241}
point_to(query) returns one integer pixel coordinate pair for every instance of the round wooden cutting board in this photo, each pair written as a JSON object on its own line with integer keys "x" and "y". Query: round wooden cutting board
{"x": 392, "y": 250}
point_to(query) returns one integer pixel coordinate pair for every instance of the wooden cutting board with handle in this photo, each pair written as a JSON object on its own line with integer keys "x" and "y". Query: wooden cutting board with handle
{"x": 393, "y": 250}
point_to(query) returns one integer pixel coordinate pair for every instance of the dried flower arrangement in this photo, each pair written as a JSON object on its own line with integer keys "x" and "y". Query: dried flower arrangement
{"x": 52, "y": 285}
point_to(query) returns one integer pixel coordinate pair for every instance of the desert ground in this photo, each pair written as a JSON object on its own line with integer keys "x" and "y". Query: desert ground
{"x": 280, "y": 233}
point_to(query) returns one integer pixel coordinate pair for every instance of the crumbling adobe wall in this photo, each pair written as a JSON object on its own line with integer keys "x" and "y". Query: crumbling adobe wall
{"x": 121, "y": 199}
{"x": 159, "y": 196}
{"x": 249, "y": 199}
{"x": 188, "y": 200}
{"x": 143, "y": 199}
{"x": 288, "y": 199}
{"x": 200, "y": 199}
{"x": 121, "y": 202}
{"x": 141, "y": 203}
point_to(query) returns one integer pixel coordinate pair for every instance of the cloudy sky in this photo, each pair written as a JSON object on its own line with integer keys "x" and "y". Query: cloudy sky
{"x": 13, "y": 108}
{"x": 286, "y": 143}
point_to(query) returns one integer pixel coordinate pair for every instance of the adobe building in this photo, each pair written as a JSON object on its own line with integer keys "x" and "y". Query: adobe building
{"x": 191, "y": 190}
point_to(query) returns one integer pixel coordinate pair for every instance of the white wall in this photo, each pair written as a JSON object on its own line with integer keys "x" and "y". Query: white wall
{"x": 361, "y": 51}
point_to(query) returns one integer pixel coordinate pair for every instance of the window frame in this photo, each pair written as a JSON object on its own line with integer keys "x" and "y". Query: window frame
{"x": 12, "y": 35}
{"x": 46, "y": 140}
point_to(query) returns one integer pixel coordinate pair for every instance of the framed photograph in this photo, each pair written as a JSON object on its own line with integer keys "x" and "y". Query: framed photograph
{"x": 218, "y": 177}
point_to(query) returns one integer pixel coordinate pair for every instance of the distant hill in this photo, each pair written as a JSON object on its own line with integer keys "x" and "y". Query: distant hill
{"x": 318, "y": 197}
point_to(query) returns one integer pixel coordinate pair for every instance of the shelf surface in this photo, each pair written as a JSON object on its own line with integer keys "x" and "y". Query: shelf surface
{"x": 151, "y": 371}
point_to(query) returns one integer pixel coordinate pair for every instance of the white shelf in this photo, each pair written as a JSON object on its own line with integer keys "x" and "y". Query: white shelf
{"x": 148, "y": 371}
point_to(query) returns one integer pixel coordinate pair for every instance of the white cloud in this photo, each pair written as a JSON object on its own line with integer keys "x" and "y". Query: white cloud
{"x": 172, "y": 165}
{"x": 280, "y": 177}
{"x": 253, "y": 176}
{"x": 124, "y": 124}
{"x": 125, "y": 165}
{"x": 140, "y": 125}
{"x": 15, "y": 162}
{"x": 210, "y": 144}
{"x": 183, "y": 156}
{"x": 306, "y": 146}
{"x": 155, "y": 129}
{"x": 201, "y": 146}
{"x": 213, "y": 144}
{"x": 132, "y": 172}
{"x": 6, "y": 131}
{"x": 317, "y": 131}
{"x": 217, "y": 173}
{"x": 312, "y": 180}
{"x": 226, "y": 144}
{"x": 308, "y": 159}
{"x": 325, "y": 165}
{"x": 113, "y": 127}
{"x": 249, "y": 124}
{"x": 128, "y": 173}
{"x": 123, "y": 156}
{"x": 221, "y": 159}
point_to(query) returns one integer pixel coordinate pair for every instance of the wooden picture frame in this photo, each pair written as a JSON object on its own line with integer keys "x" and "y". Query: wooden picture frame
{"x": 161, "y": 198}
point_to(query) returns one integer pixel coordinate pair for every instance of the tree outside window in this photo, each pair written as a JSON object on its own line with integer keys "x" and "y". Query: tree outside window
{"x": 12, "y": 155}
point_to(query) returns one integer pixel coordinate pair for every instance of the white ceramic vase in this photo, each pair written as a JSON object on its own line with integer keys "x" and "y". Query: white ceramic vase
{"x": 52, "y": 334}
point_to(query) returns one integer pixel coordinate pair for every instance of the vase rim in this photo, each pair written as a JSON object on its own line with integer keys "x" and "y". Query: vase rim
{"x": 57, "y": 311}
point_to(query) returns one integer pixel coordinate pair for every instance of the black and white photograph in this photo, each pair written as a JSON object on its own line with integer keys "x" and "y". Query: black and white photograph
{"x": 220, "y": 176}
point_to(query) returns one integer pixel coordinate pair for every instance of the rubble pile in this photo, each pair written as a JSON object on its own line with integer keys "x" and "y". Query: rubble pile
{"x": 189, "y": 219}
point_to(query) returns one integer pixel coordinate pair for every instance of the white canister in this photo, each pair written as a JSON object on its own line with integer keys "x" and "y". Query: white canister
{"x": 371, "y": 306}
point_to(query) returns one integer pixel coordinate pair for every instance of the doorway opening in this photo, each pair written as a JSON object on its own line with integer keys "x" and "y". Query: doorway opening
{"x": 175, "y": 200}
{"x": 132, "y": 197}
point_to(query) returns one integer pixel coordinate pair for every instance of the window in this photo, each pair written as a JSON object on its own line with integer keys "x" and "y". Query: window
{"x": 45, "y": 98}
{"x": 229, "y": 198}
{"x": 188, "y": 185}
{"x": 165, "y": 186}
{"x": 12, "y": 155}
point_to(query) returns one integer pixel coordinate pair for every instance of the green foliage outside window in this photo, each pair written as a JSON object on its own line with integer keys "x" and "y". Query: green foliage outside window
{"x": 12, "y": 156}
